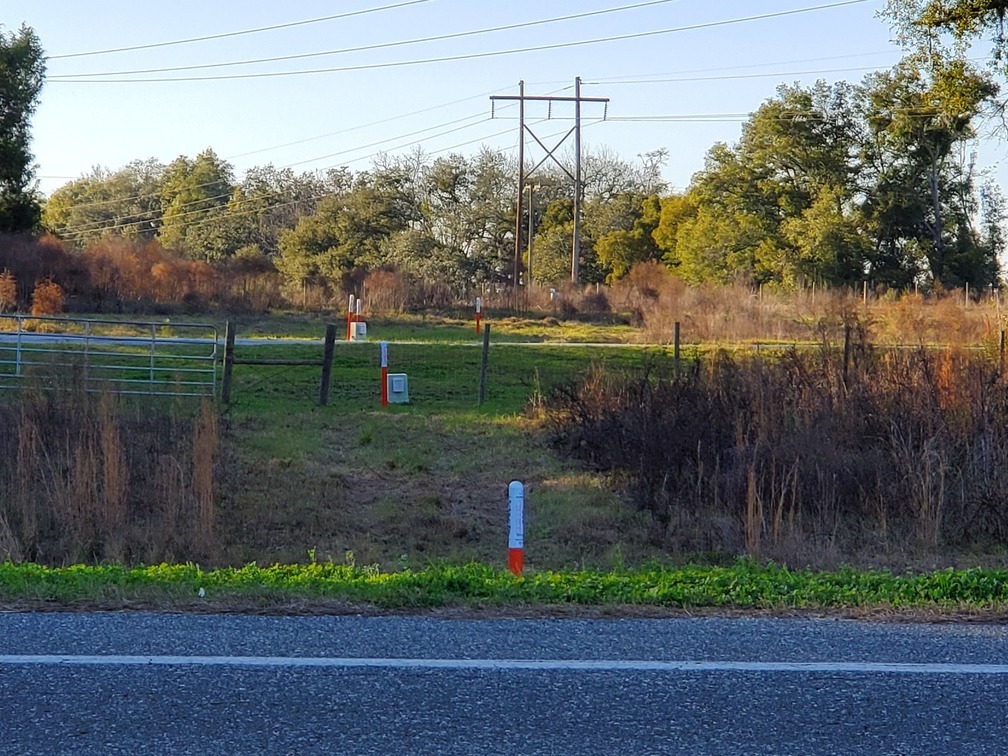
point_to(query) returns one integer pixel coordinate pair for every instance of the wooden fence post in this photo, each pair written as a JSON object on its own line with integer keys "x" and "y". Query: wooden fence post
{"x": 483, "y": 363}
{"x": 327, "y": 360}
{"x": 229, "y": 344}
{"x": 1001, "y": 354}
{"x": 675, "y": 349}
{"x": 846, "y": 351}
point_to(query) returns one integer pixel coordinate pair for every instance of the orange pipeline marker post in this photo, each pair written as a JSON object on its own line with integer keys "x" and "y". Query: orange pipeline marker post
{"x": 516, "y": 535}
{"x": 384, "y": 374}
{"x": 479, "y": 313}
{"x": 349, "y": 317}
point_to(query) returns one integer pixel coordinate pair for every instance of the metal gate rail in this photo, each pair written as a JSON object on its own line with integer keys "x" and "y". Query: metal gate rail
{"x": 120, "y": 356}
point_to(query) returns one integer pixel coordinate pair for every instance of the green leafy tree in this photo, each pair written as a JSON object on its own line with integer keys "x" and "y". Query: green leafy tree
{"x": 797, "y": 146}
{"x": 125, "y": 203}
{"x": 347, "y": 231}
{"x": 922, "y": 198}
{"x": 267, "y": 201}
{"x": 736, "y": 230}
{"x": 676, "y": 210}
{"x": 194, "y": 196}
{"x": 554, "y": 239}
{"x": 722, "y": 247}
{"x": 838, "y": 184}
{"x": 945, "y": 30}
{"x": 22, "y": 72}
{"x": 629, "y": 239}
{"x": 829, "y": 240}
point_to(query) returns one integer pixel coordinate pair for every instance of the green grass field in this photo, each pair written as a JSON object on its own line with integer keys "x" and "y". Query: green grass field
{"x": 408, "y": 484}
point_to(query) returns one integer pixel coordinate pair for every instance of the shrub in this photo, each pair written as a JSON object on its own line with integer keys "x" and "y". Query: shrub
{"x": 47, "y": 298}
{"x": 8, "y": 291}
{"x": 753, "y": 454}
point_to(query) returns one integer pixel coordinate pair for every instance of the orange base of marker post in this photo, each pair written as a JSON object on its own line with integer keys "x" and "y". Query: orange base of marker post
{"x": 384, "y": 387}
{"x": 477, "y": 324}
{"x": 516, "y": 558}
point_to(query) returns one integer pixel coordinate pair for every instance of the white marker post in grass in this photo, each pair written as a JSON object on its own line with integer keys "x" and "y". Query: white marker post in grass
{"x": 349, "y": 317}
{"x": 384, "y": 374}
{"x": 479, "y": 314}
{"x": 516, "y": 535}
{"x": 357, "y": 319}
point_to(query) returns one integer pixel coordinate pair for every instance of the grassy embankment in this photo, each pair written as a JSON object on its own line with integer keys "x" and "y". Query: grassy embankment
{"x": 415, "y": 491}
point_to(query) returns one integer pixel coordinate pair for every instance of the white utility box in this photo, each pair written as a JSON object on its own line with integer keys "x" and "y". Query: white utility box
{"x": 358, "y": 331}
{"x": 398, "y": 388}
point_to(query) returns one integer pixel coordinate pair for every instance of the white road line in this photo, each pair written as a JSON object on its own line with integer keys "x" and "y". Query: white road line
{"x": 503, "y": 665}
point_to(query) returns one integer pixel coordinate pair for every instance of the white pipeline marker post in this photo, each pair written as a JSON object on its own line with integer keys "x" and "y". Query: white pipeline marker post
{"x": 516, "y": 535}
{"x": 357, "y": 320}
{"x": 349, "y": 317}
{"x": 479, "y": 313}
{"x": 384, "y": 374}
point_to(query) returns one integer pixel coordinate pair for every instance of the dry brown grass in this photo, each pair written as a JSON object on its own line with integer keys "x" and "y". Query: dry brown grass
{"x": 791, "y": 459}
{"x": 657, "y": 300}
{"x": 95, "y": 478}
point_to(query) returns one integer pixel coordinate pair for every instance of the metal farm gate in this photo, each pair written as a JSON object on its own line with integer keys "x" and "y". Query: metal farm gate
{"x": 119, "y": 356}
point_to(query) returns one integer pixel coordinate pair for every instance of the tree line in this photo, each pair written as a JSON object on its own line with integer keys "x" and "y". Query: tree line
{"x": 834, "y": 183}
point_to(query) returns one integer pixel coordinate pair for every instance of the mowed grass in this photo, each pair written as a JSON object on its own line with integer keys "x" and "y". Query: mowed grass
{"x": 424, "y": 482}
{"x": 454, "y": 327}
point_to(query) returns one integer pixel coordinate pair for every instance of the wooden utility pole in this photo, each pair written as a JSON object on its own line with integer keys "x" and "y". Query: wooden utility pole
{"x": 574, "y": 175}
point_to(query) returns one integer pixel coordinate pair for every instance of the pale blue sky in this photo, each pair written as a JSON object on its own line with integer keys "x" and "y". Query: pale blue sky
{"x": 319, "y": 120}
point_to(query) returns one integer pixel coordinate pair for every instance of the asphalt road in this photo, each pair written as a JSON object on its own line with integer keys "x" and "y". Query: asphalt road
{"x": 206, "y": 684}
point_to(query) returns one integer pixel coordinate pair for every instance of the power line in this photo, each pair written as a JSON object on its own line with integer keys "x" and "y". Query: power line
{"x": 363, "y": 125}
{"x": 660, "y": 76}
{"x": 738, "y": 77}
{"x": 698, "y": 118}
{"x": 469, "y": 56}
{"x": 225, "y": 35}
{"x": 378, "y": 46}
{"x": 482, "y": 118}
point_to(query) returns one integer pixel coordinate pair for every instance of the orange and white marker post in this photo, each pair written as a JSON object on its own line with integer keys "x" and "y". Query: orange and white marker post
{"x": 349, "y": 317}
{"x": 479, "y": 314}
{"x": 384, "y": 374}
{"x": 516, "y": 535}
{"x": 357, "y": 319}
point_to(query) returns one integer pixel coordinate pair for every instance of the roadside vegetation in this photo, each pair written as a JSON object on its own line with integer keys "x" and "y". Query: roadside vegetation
{"x": 315, "y": 587}
{"x": 839, "y": 482}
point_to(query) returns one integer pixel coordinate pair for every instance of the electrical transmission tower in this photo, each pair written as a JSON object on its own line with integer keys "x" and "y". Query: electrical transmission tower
{"x": 575, "y": 176}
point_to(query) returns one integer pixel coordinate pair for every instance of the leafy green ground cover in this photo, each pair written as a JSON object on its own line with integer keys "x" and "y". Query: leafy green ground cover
{"x": 742, "y": 585}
